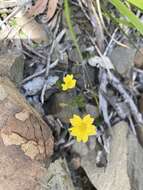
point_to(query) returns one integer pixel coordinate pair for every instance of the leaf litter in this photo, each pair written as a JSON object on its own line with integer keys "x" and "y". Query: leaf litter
{"x": 47, "y": 63}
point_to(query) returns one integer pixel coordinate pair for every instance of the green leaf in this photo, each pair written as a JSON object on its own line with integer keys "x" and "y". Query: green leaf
{"x": 13, "y": 23}
{"x": 137, "y": 3}
{"x": 127, "y": 13}
{"x": 78, "y": 101}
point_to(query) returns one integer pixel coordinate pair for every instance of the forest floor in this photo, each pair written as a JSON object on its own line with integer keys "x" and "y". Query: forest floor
{"x": 105, "y": 59}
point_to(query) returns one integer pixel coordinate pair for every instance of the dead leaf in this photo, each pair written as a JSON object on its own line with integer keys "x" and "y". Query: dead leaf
{"x": 52, "y": 6}
{"x": 103, "y": 62}
{"x": 39, "y": 7}
{"x": 32, "y": 29}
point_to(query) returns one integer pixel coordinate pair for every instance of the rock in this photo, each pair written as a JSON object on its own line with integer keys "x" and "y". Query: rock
{"x": 61, "y": 106}
{"x": 22, "y": 126}
{"x": 80, "y": 148}
{"x": 92, "y": 110}
{"x": 138, "y": 59}
{"x": 124, "y": 169}
{"x": 75, "y": 162}
{"x": 83, "y": 149}
{"x": 18, "y": 171}
{"x": 25, "y": 139}
{"x": 123, "y": 59}
{"x": 58, "y": 177}
{"x": 33, "y": 86}
{"x": 12, "y": 65}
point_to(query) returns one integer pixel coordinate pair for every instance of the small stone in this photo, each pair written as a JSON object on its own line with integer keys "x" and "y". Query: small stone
{"x": 92, "y": 110}
{"x": 80, "y": 148}
{"x": 59, "y": 176}
{"x": 76, "y": 162}
{"x": 61, "y": 106}
{"x": 138, "y": 59}
{"x": 123, "y": 59}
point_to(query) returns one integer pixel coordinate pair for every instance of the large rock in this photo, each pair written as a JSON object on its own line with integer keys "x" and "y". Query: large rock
{"x": 21, "y": 125}
{"x": 12, "y": 65}
{"x": 124, "y": 169}
{"x": 18, "y": 171}
{"x": 25, "y": 139}
{"x": 59, "y": 176}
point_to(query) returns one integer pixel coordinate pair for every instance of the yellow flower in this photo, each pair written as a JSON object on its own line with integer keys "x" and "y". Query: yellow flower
{"x": 82, "y": 128}
{"x": 69, "y": 82}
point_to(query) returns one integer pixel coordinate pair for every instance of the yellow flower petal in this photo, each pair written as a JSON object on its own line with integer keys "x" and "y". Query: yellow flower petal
{"x": 85, "y": 138}
{"x": 74, "y": 131}
{"x": 91, "y": 130}
{"x": 82, "y": 128}
{"x": 76, "y": 120}
{"x": 87, "y": 119}
{"x": 78, "y": 139}
{"x": 69, "y": 82}
{"x": 72, "y": 83}
{"x": 64, "y": 87}
{"x": 68, "y": 78}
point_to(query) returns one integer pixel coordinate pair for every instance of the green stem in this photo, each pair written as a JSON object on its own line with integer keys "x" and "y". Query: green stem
{"x": 72, "y": 33}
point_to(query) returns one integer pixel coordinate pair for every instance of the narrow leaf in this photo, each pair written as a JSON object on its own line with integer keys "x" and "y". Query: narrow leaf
{"x": 137, "y": 3}
{"x": 39, "y": 7}
{"x": 72, "y": 32}
{"x": 126, "y": 13}
{"x": 52, "y": 6}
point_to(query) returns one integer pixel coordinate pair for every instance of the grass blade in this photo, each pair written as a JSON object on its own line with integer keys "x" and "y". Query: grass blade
{"x": 137, "y": 3}
{"x": 126, "y": 13}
